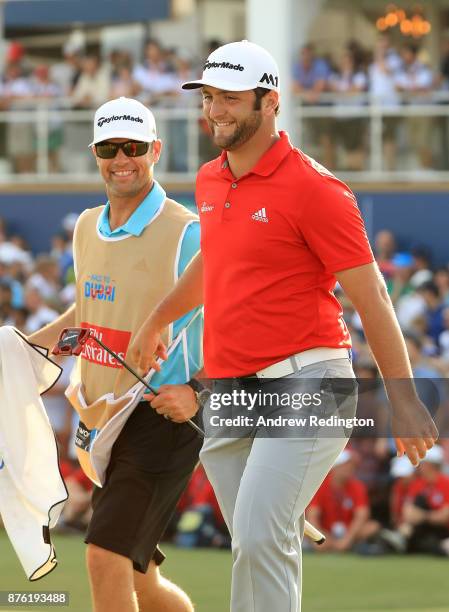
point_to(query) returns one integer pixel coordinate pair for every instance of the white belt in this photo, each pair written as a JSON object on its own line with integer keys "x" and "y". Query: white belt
{"x": 301, "y": 360}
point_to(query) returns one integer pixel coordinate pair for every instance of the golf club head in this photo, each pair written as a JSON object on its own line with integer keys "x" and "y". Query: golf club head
{"x": 71, "y": 341}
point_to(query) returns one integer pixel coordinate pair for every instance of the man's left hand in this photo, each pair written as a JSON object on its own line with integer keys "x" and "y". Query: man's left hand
{"x": 413, "y": 429}
{"x": 177, "y": 402}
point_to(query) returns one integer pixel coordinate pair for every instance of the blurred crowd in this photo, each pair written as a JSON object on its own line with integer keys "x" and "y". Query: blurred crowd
{"x": 388, "y": 75}
{"x": 85, "y": 81}
{"x": 405, "y": 510}
{"x": 391, "y": 76}
{"x": 371, "y": 502}
{"x": 81, "y": 80}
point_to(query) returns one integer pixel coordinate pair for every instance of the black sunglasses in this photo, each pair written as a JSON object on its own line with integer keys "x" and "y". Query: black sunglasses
{"x": 131, "y": 148}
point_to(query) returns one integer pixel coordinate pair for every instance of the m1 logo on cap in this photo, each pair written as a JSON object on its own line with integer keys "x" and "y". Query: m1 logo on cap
{"x": 269, "y": 79}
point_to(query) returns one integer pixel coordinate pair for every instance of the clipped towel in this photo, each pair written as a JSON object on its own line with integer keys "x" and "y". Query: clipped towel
{"x": 32, "y": 491}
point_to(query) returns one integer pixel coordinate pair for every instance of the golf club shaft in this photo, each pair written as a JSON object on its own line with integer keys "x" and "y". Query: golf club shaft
{"x": 139, "y": 378}
{"x": 313, "y": 533}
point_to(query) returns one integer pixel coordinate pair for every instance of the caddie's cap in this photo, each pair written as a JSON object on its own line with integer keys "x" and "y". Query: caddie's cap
{"x": 124, "y": 118}
{"x": 238, "y": 66}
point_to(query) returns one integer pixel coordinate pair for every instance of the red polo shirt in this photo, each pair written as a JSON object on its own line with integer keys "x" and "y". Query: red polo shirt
{"x": 271, "y": 242}
{"x": 338, "y": 504}
{"x": 436, "y": 493}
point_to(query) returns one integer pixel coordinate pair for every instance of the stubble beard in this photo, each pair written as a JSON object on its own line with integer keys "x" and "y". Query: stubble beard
{"x": 243, "y": 132}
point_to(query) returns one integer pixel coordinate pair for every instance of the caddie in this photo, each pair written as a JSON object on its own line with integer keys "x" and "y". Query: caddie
{"x": 128, "y": 254}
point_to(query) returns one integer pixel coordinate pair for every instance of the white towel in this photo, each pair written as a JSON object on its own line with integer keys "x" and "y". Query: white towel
{"x": 32, "y": 491}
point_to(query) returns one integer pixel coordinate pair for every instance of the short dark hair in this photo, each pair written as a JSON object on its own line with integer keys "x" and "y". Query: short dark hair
{"x": 260, "y": 93}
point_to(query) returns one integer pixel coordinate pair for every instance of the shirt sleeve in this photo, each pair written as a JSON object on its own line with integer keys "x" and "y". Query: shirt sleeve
{"x": 190, "y": 246}
{"x": 333, "y": 228}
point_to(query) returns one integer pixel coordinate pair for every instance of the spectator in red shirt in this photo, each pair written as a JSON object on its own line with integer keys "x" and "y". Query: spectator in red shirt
{"x": 340, "y": 507}
{"x": 426, "y": 509}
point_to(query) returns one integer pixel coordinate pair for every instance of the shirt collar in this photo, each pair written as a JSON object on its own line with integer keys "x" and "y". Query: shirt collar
{"x": 269, "y": 161}
{"x": 140, "y": 218}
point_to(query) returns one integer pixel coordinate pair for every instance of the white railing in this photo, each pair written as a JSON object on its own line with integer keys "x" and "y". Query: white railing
{"x": 370, "y": 115}
{"x": 49, "y": 145}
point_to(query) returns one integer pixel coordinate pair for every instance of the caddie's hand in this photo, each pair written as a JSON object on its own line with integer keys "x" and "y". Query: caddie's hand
{"x": 176, "y": 402}
{"x": 413, "y": 429}
{"x": 146, "y": 347}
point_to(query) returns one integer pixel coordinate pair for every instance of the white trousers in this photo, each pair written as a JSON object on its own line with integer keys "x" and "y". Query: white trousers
{"x": 263, "y": 486}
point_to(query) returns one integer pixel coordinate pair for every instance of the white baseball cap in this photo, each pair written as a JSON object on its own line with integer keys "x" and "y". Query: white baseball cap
{"x": 124, "y": 118}
{"x": 344, "y": 457}
{"x": 434, "y": 455}
{"x": 238, "y": 66}
{"x": 400, "y": 467}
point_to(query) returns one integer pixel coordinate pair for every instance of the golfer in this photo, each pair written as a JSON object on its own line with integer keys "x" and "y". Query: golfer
{"x": 277, "y": 231}
{"x": 128, "y": 254}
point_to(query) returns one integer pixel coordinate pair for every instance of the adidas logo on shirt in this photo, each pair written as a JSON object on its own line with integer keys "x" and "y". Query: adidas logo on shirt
{"x": 260, "y": 215}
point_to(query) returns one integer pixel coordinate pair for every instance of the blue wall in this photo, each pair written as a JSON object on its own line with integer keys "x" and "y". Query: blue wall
{"x": 37, "y": 217}
{"x": 415, "y": 218}
{"x": 58, "y": 12}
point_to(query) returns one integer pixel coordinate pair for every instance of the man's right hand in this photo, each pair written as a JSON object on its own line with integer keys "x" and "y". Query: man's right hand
{"x": 147, "y": 347}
